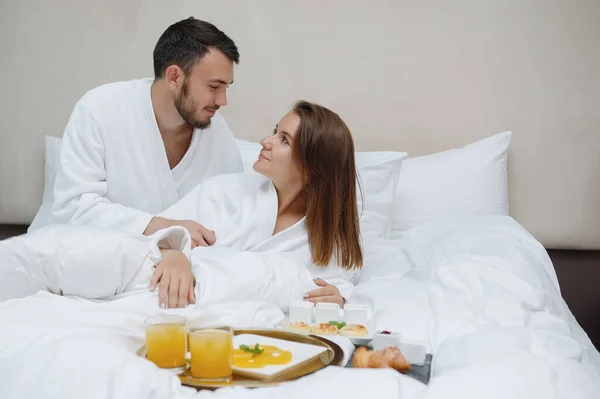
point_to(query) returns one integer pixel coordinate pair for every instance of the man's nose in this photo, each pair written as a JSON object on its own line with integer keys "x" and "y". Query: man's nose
{"x": 221, "y": 99}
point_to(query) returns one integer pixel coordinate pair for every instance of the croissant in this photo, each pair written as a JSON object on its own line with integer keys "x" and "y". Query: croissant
{"x": 390, "y": 357}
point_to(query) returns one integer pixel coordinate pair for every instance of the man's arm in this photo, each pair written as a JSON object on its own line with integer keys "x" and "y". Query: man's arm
{"x": 80, "y": 186}
{"x": 200, "y": 235}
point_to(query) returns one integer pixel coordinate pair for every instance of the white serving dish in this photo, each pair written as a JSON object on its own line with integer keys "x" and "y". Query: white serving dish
{"x": 301, "y": 311}
{"x": 382, "y": 341}
{"x": 414, "y": 351}
{"x": 356, "y": 314}
{"x": 326, "y": 312}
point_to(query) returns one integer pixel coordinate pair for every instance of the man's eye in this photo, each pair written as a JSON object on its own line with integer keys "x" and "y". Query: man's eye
{"x": 214, "y": 87}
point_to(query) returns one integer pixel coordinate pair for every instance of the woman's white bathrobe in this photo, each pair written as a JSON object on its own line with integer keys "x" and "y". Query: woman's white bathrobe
{"x": 247, "y": 263}
{"x": 242, "y": 210}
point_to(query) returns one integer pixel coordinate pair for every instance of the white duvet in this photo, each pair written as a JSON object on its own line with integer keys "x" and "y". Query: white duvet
{"x": 480, "y": 290}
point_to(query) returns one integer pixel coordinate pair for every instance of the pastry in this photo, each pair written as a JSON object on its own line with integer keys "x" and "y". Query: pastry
{"x": 324, "y": 329}
{"x": 390, "y": 357}
{"x": 361, "y": 358}
{"x": 297, "y": 326}
{"x": 354, "y": 330}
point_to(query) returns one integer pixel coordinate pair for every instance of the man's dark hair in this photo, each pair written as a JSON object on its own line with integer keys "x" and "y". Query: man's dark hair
{"x": 185, "y": 42}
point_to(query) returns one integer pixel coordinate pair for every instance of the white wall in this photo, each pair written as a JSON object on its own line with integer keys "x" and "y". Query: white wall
{"x": 407, "y": 75}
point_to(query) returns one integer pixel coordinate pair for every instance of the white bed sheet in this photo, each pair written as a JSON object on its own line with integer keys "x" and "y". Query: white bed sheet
{"x": 480, "y": 290}
{"x": 484, "y": 294}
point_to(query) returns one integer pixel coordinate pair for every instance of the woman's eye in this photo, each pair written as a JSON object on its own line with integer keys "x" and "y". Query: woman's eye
{"x": 284, "y": 140}
{"x": 274, "y": 132}
{"x": 214, "y": 87}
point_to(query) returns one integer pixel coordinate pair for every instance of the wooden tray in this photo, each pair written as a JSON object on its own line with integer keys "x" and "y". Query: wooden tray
{"x": 332, "y": 357}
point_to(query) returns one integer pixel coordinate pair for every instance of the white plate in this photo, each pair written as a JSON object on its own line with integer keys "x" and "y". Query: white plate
{"x": 300, "y": 353}
{"x": 358, "y": 341}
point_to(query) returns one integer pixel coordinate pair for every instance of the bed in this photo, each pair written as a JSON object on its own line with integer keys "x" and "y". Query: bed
{"x": 475, "y": 286}
{"x": 480, "y": 290}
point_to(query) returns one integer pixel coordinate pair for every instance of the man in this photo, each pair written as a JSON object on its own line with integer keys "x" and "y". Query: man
{"x": 132, "y": 149}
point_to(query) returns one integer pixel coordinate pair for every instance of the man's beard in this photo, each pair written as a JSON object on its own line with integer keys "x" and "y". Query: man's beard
{"x": 185, "y": 107}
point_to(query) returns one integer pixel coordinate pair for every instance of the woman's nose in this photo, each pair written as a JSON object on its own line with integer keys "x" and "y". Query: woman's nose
{"x": 266, "y": 143}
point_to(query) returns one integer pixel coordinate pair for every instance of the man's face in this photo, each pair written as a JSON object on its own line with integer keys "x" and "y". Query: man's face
{"x": 203, "y": 90}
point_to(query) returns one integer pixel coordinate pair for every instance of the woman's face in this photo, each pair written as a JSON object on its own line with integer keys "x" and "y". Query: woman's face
{"x": 275, "y": 160}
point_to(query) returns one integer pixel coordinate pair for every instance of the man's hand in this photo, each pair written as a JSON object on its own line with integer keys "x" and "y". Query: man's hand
{"x": 175, "y": 280}
{"x": 201, "y": 236}
{"x": 328, "y": 293}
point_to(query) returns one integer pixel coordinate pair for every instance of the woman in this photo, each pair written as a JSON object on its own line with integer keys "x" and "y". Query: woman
{"x": 302, "y": 202}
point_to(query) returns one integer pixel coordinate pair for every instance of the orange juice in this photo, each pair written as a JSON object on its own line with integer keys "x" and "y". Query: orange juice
{"x": 166, "y": 344}
{"x": 211, "y": 352}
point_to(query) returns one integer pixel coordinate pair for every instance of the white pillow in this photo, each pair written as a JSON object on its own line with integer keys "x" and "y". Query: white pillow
{"x": 43, "y": 216}
{"x": 469, "y": 180}
{"x": 378, "y": 175}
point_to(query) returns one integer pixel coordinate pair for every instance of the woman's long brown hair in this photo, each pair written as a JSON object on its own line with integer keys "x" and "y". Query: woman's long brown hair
{"x": 324, "y": 150}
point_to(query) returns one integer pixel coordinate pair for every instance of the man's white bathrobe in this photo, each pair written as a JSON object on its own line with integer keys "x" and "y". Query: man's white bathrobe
{"x": 113, "y": 168}
{"x": 247, "y": 263}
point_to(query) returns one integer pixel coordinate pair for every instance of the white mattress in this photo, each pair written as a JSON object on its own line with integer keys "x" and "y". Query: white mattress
{"x": 481, "y": 291}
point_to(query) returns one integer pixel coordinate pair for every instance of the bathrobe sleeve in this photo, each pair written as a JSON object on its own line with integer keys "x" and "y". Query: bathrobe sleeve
{"x": 344, "y": 286}
{"x": 333, "y": 274}
{"x": 81, "y": 181}
{"x": 226, "y": 275}
{"x": 83, "y": 261}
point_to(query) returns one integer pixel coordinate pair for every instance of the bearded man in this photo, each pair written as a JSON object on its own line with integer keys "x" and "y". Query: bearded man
{"x": 131, "y": 149}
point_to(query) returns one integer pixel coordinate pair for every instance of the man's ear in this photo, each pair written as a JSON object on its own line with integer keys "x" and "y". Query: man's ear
{"x": 174, "y": 76}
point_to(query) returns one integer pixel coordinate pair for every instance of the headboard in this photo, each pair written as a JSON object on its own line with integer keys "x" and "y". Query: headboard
{"x": 411, "y": 76}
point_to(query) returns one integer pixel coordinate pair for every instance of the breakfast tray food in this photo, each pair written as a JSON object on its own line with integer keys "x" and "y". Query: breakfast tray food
{"x": 333, "y": 356}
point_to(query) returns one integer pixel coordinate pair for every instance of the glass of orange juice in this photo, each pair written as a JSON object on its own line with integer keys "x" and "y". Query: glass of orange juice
{"x": 166, "y": 341}
{"x": 211, "y": 350}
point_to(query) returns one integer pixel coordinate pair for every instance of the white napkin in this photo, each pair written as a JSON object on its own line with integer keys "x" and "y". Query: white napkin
{"x": 344, "y": 343}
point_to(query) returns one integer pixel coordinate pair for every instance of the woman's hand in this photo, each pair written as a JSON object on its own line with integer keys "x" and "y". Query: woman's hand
{"x": 327, "y": 293}
{"x": 175, "y": 280}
